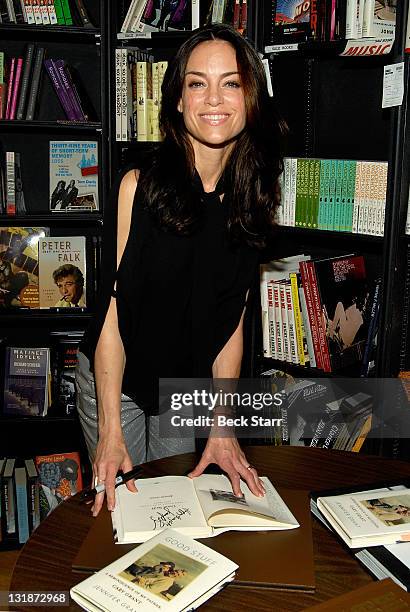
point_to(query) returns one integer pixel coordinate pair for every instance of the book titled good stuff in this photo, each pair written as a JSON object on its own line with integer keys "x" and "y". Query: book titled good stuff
{"x": 62, "y": 278}
{"x": 168, "y": 572}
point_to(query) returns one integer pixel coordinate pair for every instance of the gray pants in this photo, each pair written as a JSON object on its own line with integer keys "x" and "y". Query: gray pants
{"x": 141, "y": 433}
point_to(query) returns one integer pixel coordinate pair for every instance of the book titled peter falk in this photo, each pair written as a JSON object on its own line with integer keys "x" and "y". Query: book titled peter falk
{"x": 62, "y": 272}
{"x": 73, "y": 176}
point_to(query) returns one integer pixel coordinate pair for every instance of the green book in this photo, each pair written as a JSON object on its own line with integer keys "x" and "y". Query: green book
{"x": 343, "y": 214}
{"x": 66, "y": 12}
{"x": 338, "y": 197}
{"x": 309, "y": 194}
{"x": 351, "y": 185}
{"x": 332, "y": 194}
{"x": 59, "y": 12}
{"x": 299, "y": 169}
{"x": 316, "y": 192}
{"x": 322, "y": 181}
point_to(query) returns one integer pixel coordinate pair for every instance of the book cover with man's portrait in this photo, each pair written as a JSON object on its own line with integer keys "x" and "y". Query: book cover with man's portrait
{"x": 62, "y": 272}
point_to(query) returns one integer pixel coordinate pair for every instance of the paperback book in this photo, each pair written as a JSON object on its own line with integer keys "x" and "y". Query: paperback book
{"x": 19, "y": 270}
{"x": 64, "y": 361}
{"x": 169, "y": 572}
{"x": 62, "y": 280}
{"x": 60, "y": 477}
{"x": 73, "y": 176}
{"x": 26, "y": 385}
{"x": 200, "y": 507}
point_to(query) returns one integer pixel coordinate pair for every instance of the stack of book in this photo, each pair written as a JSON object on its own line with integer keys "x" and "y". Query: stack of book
{"x": 337, "y": 20}
{"x": 12, "y": 200}
{"x": 20, "y": 82}
{"x": 322, "y": 313}
{"x": 45, "y": 12}
{"x": 144, "y": 16}
{"x": 333, "y": 194}
{"x": 373, "y": 521}
{"x": 138, "y": 81}
{"x": 31, "y": 488}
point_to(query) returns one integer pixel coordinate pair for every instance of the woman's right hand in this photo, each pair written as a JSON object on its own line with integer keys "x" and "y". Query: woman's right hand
{"x": 111, "y": 456}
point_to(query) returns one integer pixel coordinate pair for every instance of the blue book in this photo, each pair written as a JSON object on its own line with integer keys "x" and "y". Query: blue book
{"x": 20, "y": 483}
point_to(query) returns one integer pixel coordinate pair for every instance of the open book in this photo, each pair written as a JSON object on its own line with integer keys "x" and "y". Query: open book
{"x": 200, "y": 508}
{"x": 369, "y": 518}
{"x": 169, "y": 572}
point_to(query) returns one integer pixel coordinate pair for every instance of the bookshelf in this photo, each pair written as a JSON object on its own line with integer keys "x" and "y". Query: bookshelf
{"x": 87, "y": 51}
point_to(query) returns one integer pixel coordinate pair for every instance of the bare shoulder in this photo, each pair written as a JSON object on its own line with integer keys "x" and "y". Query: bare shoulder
{"x": 126, "y": 196}
{"x": 129, "y": 183}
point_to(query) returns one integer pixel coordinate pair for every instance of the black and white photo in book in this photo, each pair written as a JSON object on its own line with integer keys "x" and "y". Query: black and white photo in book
{"x": 73, "y": 176}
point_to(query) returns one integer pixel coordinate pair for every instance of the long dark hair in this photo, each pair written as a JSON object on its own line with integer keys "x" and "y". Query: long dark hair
{"x": 254, "y": 164}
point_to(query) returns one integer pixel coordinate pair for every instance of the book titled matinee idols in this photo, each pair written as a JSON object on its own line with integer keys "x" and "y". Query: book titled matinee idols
{"x": 201, "y": 507}
{"x": 62, "y": 279}
{"x": 169, "y": 572}
{"x": 73, "y": 176}
{"x": 369, "y": 518}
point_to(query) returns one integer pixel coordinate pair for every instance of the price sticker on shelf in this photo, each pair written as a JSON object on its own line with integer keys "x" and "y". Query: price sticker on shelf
{"x": 393, "y": 85}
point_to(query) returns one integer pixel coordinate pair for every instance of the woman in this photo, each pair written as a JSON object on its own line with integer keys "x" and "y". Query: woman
{"x": 190, "y": 224}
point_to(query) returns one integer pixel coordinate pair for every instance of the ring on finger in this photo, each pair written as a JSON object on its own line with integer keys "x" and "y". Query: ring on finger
{"x": 250, "y": 467}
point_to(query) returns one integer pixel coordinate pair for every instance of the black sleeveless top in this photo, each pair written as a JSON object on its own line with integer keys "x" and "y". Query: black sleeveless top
{"x": 179, "y": 298}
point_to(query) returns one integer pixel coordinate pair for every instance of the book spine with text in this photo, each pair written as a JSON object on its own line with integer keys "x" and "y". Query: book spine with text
{"x": 69, "y": 89}
{"x": 28, "y": 62}
{"x": 16, "y": 87}
{"x": 10, "y": 183}
{"x": 311, "y": 312}
{"x": 59, "y": 89}
{"x": 317, "y": 306}
{"x": 35, "y": 84}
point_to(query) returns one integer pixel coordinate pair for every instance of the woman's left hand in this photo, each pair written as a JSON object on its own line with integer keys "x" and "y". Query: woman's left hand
{"x": 226, "y": 452}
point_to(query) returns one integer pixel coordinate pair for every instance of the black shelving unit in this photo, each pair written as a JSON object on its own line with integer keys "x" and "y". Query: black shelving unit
{"x": 87, "y": 51}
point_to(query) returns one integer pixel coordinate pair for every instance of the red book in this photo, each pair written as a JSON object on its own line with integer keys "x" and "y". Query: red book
{"x": 10, "y": 87}
{"x": 311, "y": 312}
{"x": 60, "y": 477}
{"x": 3, "y": 97}
{"x": 16, "y": 87}
{"x": 317, "y": 307}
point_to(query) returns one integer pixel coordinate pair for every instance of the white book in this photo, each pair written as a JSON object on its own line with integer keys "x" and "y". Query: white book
{"x": 45, "y": 17}
{"x": 369, "y": 518}
{"x": 351, "y": 19}
{"x": 195, "y": 14}
{"x": 408, "y": 217}
{"x": 287, "y": 355}
{"x": 124, "y": 82}
{"x": 129, "y": 16}
{"x": 29, "y": 12}
{"x": 136, "y": 25}
{"x": 360, "y": 15}
{"x": 292, "y": 198}
{"x": 170, "y": 572}
{"x": 272, "y": 322}
{"x": 52, "y": 12}
{"x": 200, "y": 507}
{"x": 10, "y": 183}
{"x": 37, "y": 12}
{"x": 118, "y": 96}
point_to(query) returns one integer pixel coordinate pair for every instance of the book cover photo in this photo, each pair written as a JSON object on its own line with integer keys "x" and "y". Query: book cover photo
{"x": 60, "y": 477}
{"x": 73, "y": 176}
{"x": 62, "y": 279}
{"x": 26, "y": 384}
{"x": 19, "y": 270}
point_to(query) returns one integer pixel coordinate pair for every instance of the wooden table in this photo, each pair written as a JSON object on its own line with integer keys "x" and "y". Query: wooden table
{"x": 45, "y": 561}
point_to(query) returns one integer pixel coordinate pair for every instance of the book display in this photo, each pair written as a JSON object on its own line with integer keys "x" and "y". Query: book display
{"x": 54, "y": 176}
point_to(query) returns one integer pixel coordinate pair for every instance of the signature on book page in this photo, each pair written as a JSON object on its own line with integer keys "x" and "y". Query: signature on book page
{"x": 167, "y": 517}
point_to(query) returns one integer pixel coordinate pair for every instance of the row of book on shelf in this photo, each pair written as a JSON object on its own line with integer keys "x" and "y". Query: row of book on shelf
{"x": 334, "y": 194}
{"x": 138, "y": 81}
{"x": 40, "y": 271}
{"x": 73, "y": 180}
{"x": 20, "y": 83}
{"x": 146, "y": 16}
{"x": 338, "y": 20}
{"x": 320, "y": 313}
{"x": 31, "y": 488}
{"x": 44, "y": 12}
{"x": 39, "y": 381}
{"x": 319, "y": 412}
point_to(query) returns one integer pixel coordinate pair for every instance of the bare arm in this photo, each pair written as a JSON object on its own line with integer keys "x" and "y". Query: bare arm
{"x": 223, "y": 448}
{"x": 109, "y": 363}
